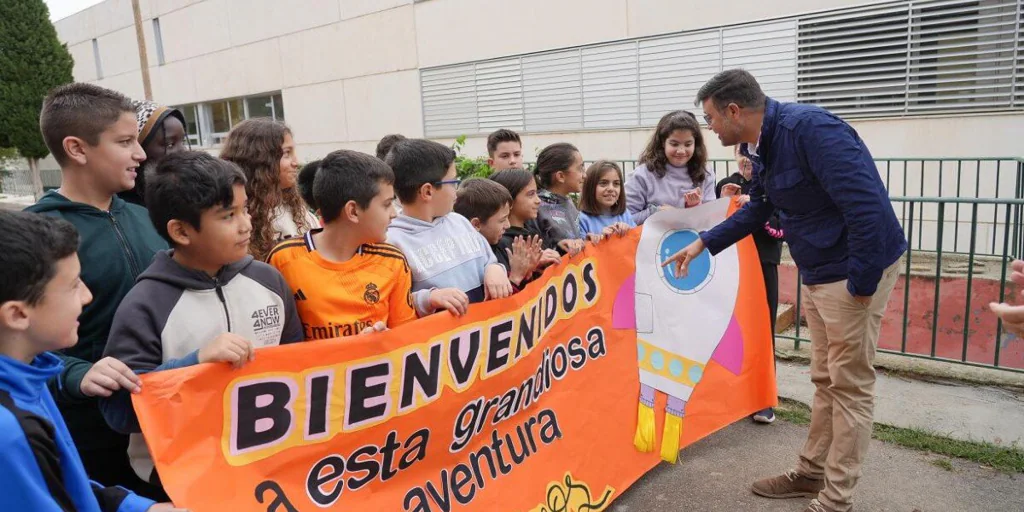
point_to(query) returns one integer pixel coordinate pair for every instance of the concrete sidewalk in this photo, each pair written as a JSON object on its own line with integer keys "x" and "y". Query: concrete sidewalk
{"x": 715, "y": 474}
{"x": 946, "y": 408}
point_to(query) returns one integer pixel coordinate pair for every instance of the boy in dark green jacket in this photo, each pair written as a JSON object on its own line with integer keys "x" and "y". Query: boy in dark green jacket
{"x": 92, "y": 133}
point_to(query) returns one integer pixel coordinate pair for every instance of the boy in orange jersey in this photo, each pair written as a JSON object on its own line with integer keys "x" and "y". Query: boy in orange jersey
{"x": 345, "y": 280}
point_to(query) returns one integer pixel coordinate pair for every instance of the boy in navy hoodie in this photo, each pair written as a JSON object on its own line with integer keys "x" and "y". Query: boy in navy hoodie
{"x": 205, "y": 300}
{"x": 92, "y": 132}
{"x": 41, "y": 297}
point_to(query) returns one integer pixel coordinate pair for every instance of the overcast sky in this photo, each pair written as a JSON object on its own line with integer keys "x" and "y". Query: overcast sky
{"x": 63, "y": 8}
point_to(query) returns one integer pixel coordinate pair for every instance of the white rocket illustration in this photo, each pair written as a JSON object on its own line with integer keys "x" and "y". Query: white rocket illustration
{"x": 681, "y": 323}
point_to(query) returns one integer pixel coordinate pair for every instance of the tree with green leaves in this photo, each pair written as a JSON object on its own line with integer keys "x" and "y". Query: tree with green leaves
{"x": 32, "y": 61}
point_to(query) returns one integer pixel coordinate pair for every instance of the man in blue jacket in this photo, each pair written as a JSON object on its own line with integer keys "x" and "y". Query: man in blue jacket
{"x": 843, "y": 235}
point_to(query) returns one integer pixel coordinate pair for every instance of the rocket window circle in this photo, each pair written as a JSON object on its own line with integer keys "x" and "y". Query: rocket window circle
{"x": 701, "y": 269}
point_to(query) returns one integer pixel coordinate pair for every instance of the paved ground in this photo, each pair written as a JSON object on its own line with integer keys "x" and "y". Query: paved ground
{"x": 714, "y": 475}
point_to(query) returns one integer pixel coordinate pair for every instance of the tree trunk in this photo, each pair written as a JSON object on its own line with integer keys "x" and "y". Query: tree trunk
{"x": 37, "y": 179}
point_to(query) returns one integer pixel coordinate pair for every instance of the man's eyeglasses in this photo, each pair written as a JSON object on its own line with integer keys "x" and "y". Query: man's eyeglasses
{"x": 454, "y": 183}
{"x": 707, "y": 119}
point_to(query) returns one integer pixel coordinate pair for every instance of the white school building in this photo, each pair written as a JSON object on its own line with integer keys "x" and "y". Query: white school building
{"x": 934, "y": 78}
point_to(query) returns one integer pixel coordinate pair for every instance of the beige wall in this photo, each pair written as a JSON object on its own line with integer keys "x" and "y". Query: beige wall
{"x": 348, "y": 69}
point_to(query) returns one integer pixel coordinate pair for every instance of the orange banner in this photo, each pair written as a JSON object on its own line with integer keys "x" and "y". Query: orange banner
{"x": 526, "y": 404}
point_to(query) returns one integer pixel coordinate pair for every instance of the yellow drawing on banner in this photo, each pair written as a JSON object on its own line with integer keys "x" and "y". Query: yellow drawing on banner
{"x": 573, "y": 496}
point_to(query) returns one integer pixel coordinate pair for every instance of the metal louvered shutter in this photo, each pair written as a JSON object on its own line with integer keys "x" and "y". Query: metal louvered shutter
{"x": 553, "y": 91}
{"x": 911, "y": 58}
{"x": 610, "y": 89}
{"x": 673, "y": 69}
{"x": 449, "y": 100}
{"x": 766, "y": 50}
{"x": 907, "y": 57}
{"x": 962, "y": 55}
{"x": 499, "y": 91}
{"x": 854, "y": 63}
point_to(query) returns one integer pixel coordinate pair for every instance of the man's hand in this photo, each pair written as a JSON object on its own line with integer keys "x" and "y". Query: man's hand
{"x": 452, "y": 299}
{"x": 107, "y": 376}
{"x": 682, "y": 259}
{"x": 742, "y": 200}
{"x": 864, "y": 300}
{"x": 496, "y": 283}
{"x": 228, "y": 348}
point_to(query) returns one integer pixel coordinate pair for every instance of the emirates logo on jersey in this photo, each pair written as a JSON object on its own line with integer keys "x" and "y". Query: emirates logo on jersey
{"x": 372, "y": 294}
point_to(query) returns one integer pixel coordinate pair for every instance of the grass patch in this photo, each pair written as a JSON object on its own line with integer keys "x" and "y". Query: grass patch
{"x": 1003, "y": 458}
{"x": 1008, "y": 459}
{"x": 793, "y": 411}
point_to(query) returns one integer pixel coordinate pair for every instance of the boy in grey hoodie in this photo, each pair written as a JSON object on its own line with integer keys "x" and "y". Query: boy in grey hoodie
{"x": 452, "y": 264}
{"x": 205, "y": 300}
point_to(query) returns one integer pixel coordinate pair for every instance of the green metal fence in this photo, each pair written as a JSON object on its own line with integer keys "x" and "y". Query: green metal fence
{"x": 953, "y": 324}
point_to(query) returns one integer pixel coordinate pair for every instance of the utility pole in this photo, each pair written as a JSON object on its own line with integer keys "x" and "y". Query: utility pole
{"x": 143, "y": 59}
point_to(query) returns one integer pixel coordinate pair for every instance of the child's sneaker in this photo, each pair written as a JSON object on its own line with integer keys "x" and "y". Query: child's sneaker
{"x": 765, "y": 416}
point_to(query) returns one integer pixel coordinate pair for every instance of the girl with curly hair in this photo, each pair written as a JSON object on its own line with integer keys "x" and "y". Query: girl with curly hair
{"x": 265, "y": 151}
{"x": 673, "y": 173}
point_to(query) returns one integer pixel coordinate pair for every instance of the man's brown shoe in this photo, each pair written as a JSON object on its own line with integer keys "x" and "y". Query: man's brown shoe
{"x": 788, "y": 485}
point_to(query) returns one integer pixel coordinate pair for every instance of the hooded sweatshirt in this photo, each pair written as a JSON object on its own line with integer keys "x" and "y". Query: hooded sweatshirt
{"x": 114, "y": 247}
{"x": 38, "y": 460}
{"x": 558, "y": 218}
{"x": 445, "y": 253}
{"x": 174, "y": 311}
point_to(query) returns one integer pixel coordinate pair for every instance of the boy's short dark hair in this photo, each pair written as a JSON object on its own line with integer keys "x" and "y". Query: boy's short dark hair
{"x": 186, "y": 184}
{"x": 305, "y": 183}
{"x": 345, "y": 176}
{"x": 387, "y": 142}
{"x": 31, "y": 244}
{"x": 79, "y": 110}
{"x": 499, "y": 136}
{"x": 417, "y": 162}
{"x": 481, "y": 198}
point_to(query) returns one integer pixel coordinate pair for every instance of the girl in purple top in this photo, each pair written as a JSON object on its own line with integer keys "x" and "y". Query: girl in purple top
{"x": 672, "y": 173}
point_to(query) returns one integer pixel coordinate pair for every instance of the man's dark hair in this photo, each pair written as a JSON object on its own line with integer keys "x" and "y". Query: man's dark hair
{"x": 499, "y": 136}
{"x": 305, "y": 183}
{"x": 186, "y": 184}
{"x": 417, "y": 162}
{"x": 346, "y": 175}
{"x": 79, "y": 110}
{"x": 732, "y": 86}
{"x": 387, "y": 142}
{"x": 481, "y": 198}
{"x": 31, "y": 244}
